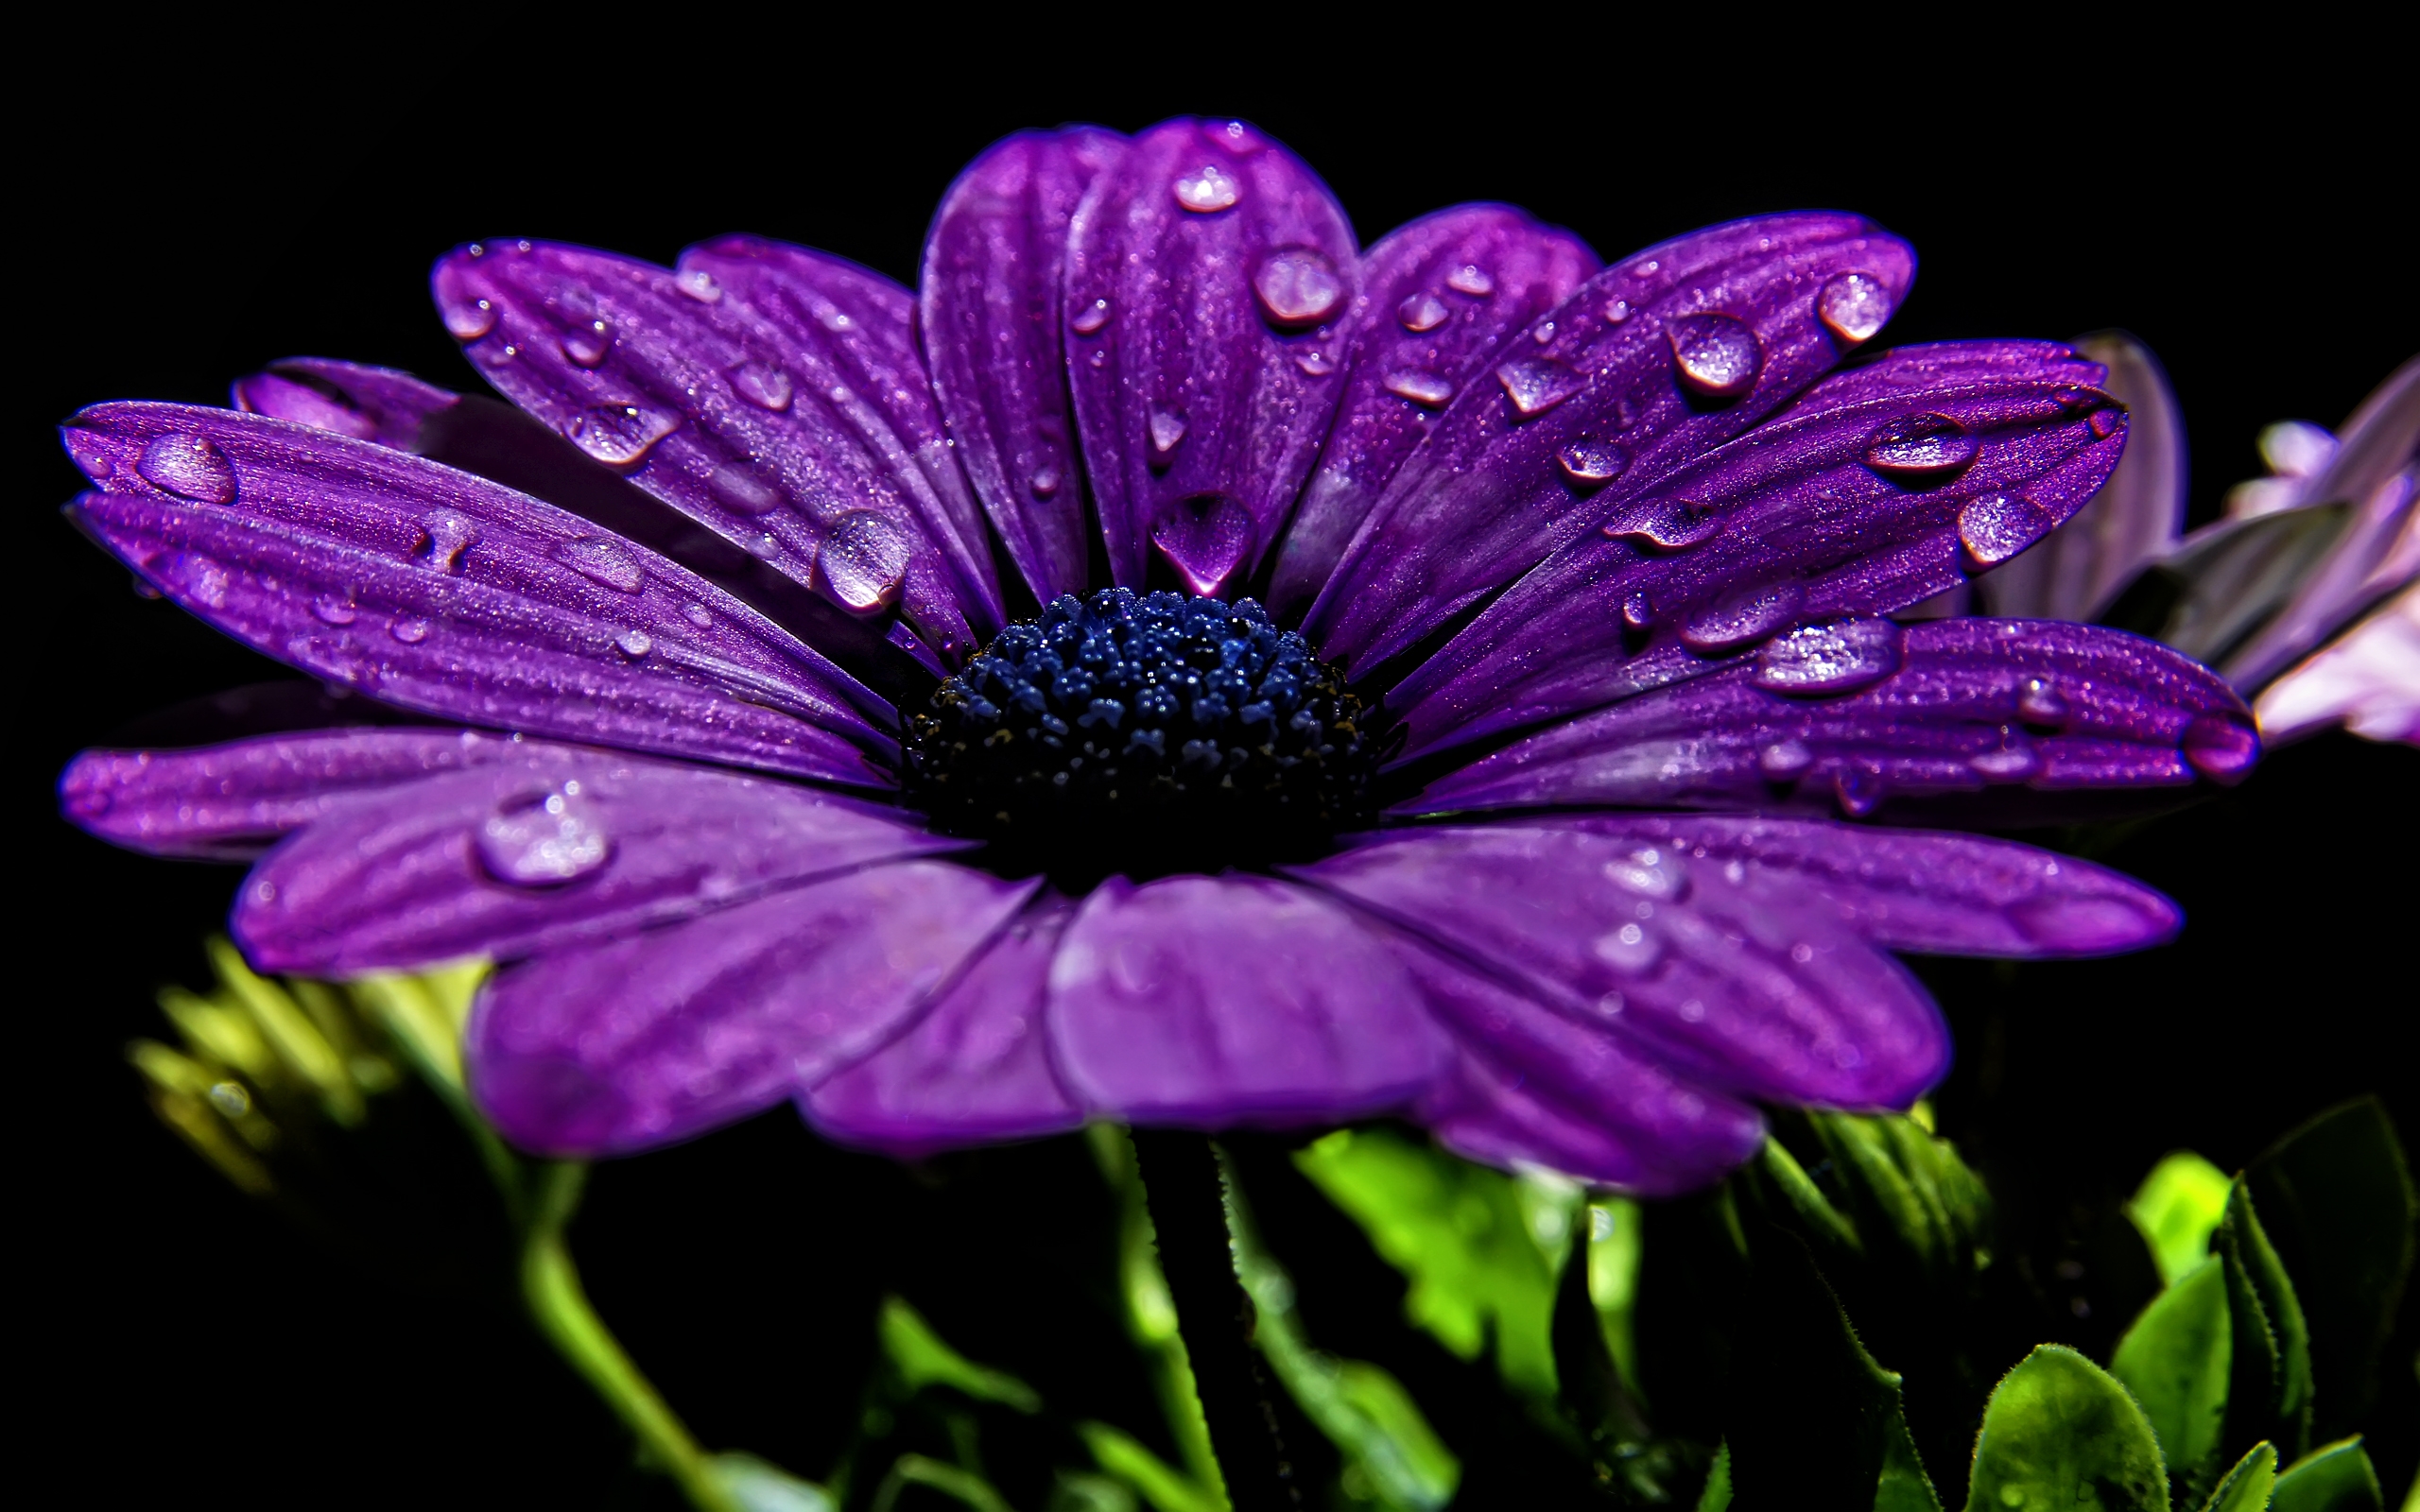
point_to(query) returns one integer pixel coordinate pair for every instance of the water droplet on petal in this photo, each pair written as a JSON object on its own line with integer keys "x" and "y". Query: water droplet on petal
{"x": 762, "y": 384}
{"x": 1296, "y": 286}
{"x": 411, "y": 633}
{"x": 554, "y": 840}
{"x": 1853, "y": 306}
{"x": 1044, "y": 482}
{"x": 1618, "y": 312}
{"x": 2040, "y": 704}
{"x": 1206, "y": 539}
{"x": 1315, "y": 363}
{"x": 1742, "y": 618}
{"x": 1646, "y": 874}
{"x": 698, "y": 285}
{"x": 1859, "y": 789}
{"x": 1592, "y": 462}
{"x": 1206, "y": 189}
{"x": 445, "y": 534}
{"x": 744, "y": 489}
{"x": 2013, "y": 761}
{"x": 1715, "y": 355}
{"x": 466, "y": 320}
{"x": 1638, "y": 611}
{"x": 619, "y": 434}
{"x": 603, "y": 560}
{"x": 1537, "y": 385}
{"x": 1630, "y": 949}
{"x": 587, "y": 346}
{"x": 1168, "y": 428}
{"x": 1785, "y": 760}
{"x": 334, "y": 608}
{"x": 862, "y": 559}
{"x": 188, "y": 467}
{"x": 1423, "y": 312}
{"x": 2221, "y": 747}
{"x": 1996, "y": 526}
{"x": 1920, "y": 446}
{"x": 1471, "y": 279}
{"x": 1233, "y": 137}
{"x": 1089, "y": 319}
{"x": 701, "y": 616}
{"x": 2106, "y": 422}
{"x": 1829, "y": 659}
{"x": 1420, "y": 387}
{"x": 634, "y": 644}
{"x": 1669, "y": 524}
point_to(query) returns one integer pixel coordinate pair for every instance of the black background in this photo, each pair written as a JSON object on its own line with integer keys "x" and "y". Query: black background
{"x": 207, "y": 216}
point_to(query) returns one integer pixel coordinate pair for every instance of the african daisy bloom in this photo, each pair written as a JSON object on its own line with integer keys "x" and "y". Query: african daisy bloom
{"x": 1544, "y": 802}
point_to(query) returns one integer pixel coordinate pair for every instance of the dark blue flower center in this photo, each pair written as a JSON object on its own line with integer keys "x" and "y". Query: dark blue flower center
{"x": 1144, "y": 733}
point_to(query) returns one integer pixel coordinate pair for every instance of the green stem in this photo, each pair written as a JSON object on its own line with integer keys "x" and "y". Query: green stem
{"x": 551, "y": 1285}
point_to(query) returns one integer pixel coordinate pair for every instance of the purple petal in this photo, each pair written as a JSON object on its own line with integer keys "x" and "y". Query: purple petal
{"x": 975, "y": 1068}
{"x": 1879, "y": 489}
{"x": 1922, "y": 890}
{"x": 1439, "y": 299}
{"x": 231, "y": 802}
{"x": 994, "y": 323}
{"x": 2016, "y": 705}
{"x": 2368, "y": 681}
{"x": 657, "y": 1036}
{"x": 790, "y": 447}
{"x": 560, "y": 847}
{"x": 1204, "y": 1002}
{"x": 368, "y": 403}
{"x": 1652, "y": 362}
{"x": 1738, "y": 980}
{"x": 448, "y": 594}
{"x": 2078, "y": 569}
{"x": 1205, "y": 394}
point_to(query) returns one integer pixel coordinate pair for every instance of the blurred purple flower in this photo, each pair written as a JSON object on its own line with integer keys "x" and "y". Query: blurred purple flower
{"x": 1575, "y": 559}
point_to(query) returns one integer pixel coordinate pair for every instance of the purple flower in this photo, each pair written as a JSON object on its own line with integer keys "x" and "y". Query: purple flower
{"x": 1516, "y": 813}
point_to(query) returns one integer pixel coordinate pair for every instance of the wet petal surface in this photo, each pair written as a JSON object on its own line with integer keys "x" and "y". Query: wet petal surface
{"x": 368, "y": 403}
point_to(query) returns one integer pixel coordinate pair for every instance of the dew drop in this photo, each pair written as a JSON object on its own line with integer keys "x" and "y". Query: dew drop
{"x": 698, "y": 285}
{"x": 701, "y": 616}
{"x": 1233, "y": 137}
{"x": 1089, "y": 319}
{"x": 1715, "y": 355}
{"x": 1207, "y": 189}
{"x": 2039, "y": 703}
{"x": 1544, "y": 334}
{"x": 1471, "y": 279}
{"x": 1206, "y": 539}
{"x": 1298, "y": 286}
{"x": 543, "y": 843}
{"x": 744, "y": 489}
{"x": 1423, "y": 312}
{"x": 334, "y": 608}
{"x": 1537, "y": 385}
{"x": 1168, "y": 428}
{"x": 1646, "y": 874}
{"x": 467, "y": 319}
{"x": 1044, "y": 482}
{"x": 411, "y": 633}
{"x": 1420, "y": 387}
{"x": 2106, "y": 422}
{"x": 1785, "y": 760}
{"x": 1630, "y": 949}
{"x": 1996, "y": 526}
{"x": 445, "y": 534}
{"x": 603, "y": 560}
{"x": 1742, "y": 618}
{"x": 588, "y": 346}
{"x": 1859, "y": 789}
{"x": 634, "y": 644}
{"x": 1669, "y": 524}
{"x": 1592, "y": 462}
{"x": 1838, "y": 656}
{"x": 619, "y": 434}
{"x": 188, "y": 467}
{"x": 2221, "y": 747}
{"x": 2013, "y": 761}
{"x": 762, "y": 384}
{"x": 1618, "y": 312}
{"x": 1853, "y": 306}
{"x": 1315, "y": 363}
{"x": 1920, "y": 446}
{"x": 862, "y": 560}
{"x": 1638, "y": 611}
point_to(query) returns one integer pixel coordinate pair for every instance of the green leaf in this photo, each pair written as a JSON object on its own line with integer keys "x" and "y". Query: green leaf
{"x": 754, "y": 1485}
{"x": 1717, "y": 1495}
{"x": 2247, "y": 1486}
{"x": 2175, "y": 1360}
{"x": 2061, "y": 1432}
{"x": 923, "y": 1359}
{"x": 2178, "y": 1208}
{"x": 1903, "y": 1486}
{"x": 2336, "y": 1196}
{"x": 2335, "y": 1477}
{"x": 1167, "y": 1489}
{"x": 2269, "y": 1390}
{"x": 1883, "y": 1188}
{"x": 1693, "y": 1278}
{"x": 963, "y": 1487}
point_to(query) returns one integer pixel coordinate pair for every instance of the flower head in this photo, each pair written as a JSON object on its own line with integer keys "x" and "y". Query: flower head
{"x": 1516, "y": 810}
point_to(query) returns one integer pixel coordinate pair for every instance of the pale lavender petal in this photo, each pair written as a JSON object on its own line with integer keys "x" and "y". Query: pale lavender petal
{"x": 705, "y": 403}
{"x": 1879, "y": 489}
{"x": 1740, "y": 981}
{"x": 2368, "y": 681}
{"x": 2019, "y": 706}
{"x": 2078, "y": 570}
{"x": 368, "y": 403}
{"x": 994, "y": 323}
{"x": 1654, "y": 361}
{"x": 974, "y": 1066}
{"x": 448, "y": 594}
{"x": 662, "y": 1034}
{"x": 1439, "y": 300}
{"x": 231, "y": 802}
{"x": 1921, "y": 890}
{"x": 560, "y": 847}
{"x": 1221, "y": 271}
{"x": 1210, "y": 1001}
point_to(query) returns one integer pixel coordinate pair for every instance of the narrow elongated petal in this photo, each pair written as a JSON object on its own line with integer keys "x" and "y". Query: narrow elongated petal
{"x": 2369, "y": 680}
{"x": 974, "y": 1066}
{"x": 231, "y": 802}
{"x": 994, "y": 307}
{"x": 448, "y": 594}
{"x": 2020, "y": 706}
{"x": 1879, "y": 489}
{"x": 768, "y": 439}
{"x": 1208, "y": 1001}
{"x": 368, "y": 403}
{"x": 1439, "y": 298}
{"x": 563, "y": 846}
{"x": 1220, "y": 270}
{"x": 666, "y": 1033}
{"x": 1733, "y": 980}
{"x": 2134, "y": 520}
{"x": 1651, "y": 363}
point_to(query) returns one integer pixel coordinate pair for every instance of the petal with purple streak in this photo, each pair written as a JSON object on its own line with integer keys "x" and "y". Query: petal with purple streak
{"x": 1202, "y": 399}
{"x": 662, "y": 1034}
{"x": 448, "y": 594}
{"x": 2017, "y": 706}
{"x": 1208, "y": 1001}
{"x": 975, "y": 1066}
{"x": 1439, "y": 300}
{"x": 562, "y": 847}
{"x": 368, "y": 403}
{"x": 993, "y": 334}
{"x": 1738, "y": 981}
{"x": 1869, "y": 494}
{"x": 1485, "y": 497}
